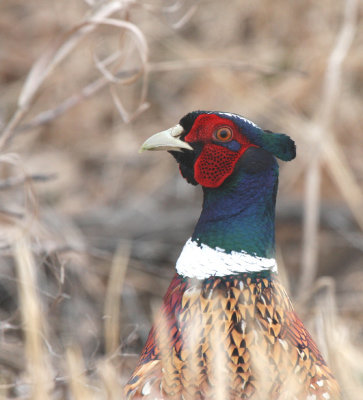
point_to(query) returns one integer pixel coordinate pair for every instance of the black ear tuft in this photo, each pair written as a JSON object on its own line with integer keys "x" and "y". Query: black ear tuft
{"x": 279, "y": 144}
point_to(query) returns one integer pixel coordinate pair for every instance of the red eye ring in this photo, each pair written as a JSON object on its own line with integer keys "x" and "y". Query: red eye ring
{"x": 223, "y": 134}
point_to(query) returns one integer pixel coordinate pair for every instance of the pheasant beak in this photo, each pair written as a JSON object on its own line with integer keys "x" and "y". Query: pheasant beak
{"x": 166, "y": 140}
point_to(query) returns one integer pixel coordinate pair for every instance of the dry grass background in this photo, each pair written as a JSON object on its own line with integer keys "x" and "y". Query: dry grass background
{"x": 90, "y": 230}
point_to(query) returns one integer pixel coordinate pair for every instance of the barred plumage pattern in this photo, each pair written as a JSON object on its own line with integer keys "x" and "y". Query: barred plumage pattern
{"x": 230, "y": 338}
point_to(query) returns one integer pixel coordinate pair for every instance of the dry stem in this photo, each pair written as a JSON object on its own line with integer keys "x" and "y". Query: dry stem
{"x": 320, "y": 137}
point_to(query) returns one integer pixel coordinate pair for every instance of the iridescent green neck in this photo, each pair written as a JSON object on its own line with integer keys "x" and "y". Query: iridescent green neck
{"x": 240, "y": 214}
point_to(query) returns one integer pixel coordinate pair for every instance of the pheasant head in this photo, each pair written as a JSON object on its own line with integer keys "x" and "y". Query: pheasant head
{"x": 234, "y": 161}
{"x": 209, "y": 145}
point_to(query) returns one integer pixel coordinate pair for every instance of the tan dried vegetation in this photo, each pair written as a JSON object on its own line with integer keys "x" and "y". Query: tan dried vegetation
{"x": 90, "y": 230}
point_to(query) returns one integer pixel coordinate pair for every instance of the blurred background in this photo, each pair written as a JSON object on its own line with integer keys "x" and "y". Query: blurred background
{"x": 90, "y": 229}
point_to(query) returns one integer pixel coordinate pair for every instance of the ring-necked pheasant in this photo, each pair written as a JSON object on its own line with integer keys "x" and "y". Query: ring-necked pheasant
{"x": 227, "y": 329}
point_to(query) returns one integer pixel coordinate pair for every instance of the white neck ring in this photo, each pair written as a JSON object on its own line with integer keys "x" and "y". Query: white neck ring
{"x": 202, "y": 262}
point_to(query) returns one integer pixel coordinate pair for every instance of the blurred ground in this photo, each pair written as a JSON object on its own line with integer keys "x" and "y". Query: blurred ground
{"x": 73, "y": 181}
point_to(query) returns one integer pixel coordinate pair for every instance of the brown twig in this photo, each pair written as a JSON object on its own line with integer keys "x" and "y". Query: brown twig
{"x": 105, "y": 81}
{"x": 113, "y": 296}
{"x": 39, "y": 370}
{"x": 55, "y": 54}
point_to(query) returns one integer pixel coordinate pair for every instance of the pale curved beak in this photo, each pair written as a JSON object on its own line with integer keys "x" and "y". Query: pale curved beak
{"x": 166, "y": 140}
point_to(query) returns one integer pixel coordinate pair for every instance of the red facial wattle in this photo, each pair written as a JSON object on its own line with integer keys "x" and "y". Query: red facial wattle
{"x": 216, "y": 161}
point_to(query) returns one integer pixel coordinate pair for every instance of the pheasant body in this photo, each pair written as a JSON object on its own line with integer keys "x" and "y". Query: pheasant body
{"x": 227, "y": 328}
{"x": 248, "y": 323}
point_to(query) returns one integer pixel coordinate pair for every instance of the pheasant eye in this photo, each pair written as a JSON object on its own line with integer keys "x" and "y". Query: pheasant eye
{"x": 223, "y": 134}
